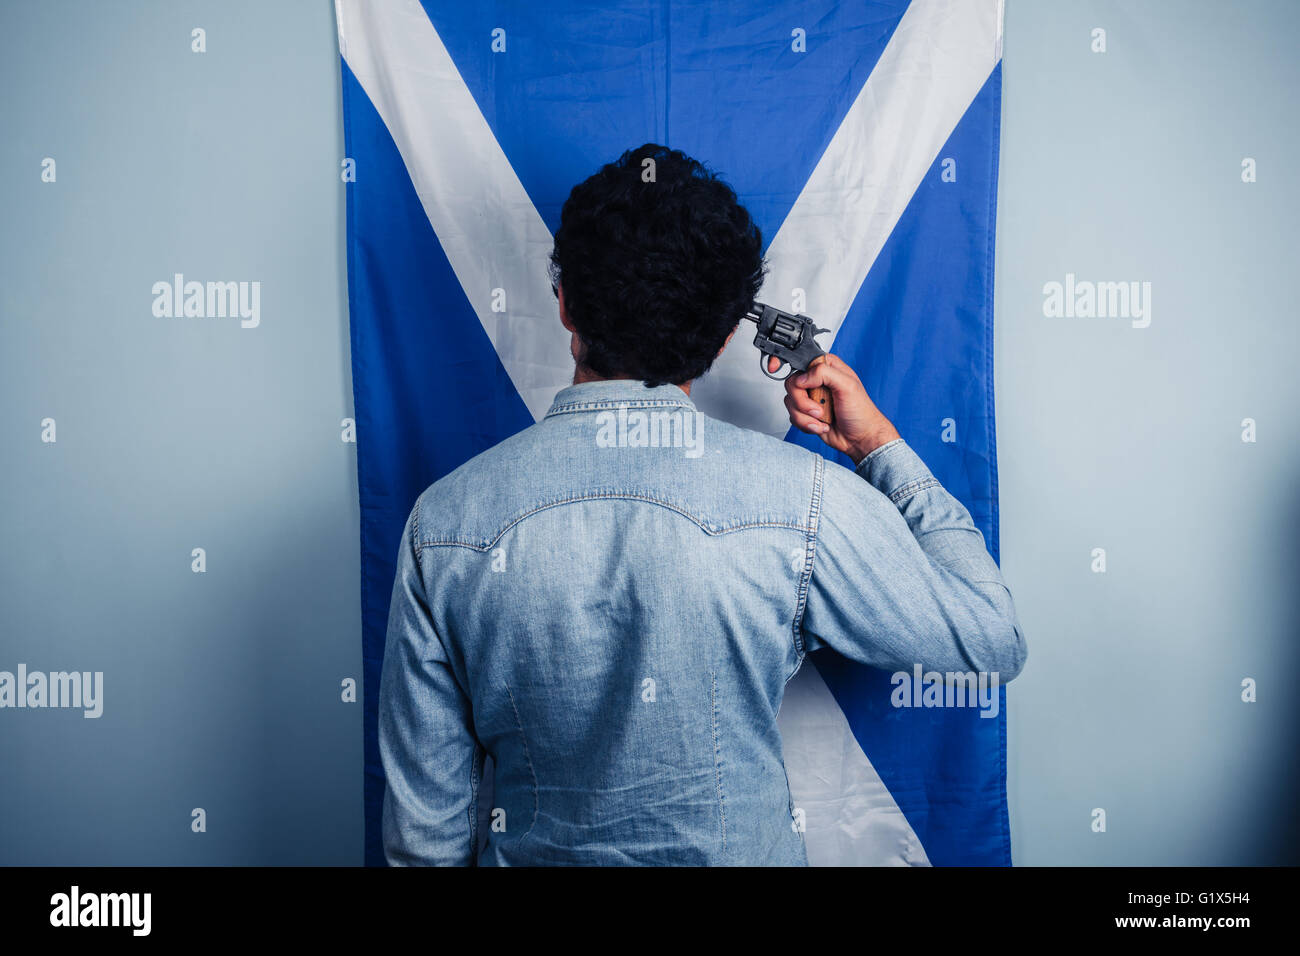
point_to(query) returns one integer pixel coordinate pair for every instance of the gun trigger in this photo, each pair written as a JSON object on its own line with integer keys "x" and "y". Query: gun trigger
{"x": 775, "y": 376}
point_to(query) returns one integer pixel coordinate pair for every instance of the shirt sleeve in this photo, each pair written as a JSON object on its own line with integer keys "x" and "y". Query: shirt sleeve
{"x": 901, "y": 575}
{"x": 431, "y": 758}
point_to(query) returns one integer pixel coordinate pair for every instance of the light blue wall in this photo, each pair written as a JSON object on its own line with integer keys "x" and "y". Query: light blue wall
{"x": 223, "y": 688}
{"x": 1127, "y": 165}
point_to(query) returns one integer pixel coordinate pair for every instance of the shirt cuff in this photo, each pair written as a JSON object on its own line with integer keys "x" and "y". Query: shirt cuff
{"x": 894, "y": 467}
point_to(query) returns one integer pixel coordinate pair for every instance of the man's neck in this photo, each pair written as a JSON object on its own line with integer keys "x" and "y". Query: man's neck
{"x": 582, "y": 374}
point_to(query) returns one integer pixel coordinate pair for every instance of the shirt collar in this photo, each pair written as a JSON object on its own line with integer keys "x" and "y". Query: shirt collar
{"x": 612, "y": 393}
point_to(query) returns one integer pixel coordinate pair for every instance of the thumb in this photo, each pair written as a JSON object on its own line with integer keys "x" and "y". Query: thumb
{"x": 828, "y": 372}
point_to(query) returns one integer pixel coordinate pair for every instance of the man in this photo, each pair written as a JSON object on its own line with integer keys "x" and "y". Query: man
{"x": 610, "y": 602}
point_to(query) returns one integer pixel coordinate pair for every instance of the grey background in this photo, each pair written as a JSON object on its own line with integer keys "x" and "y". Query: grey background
{"x": 1127, "y": 165}
{"x": 223, "y": 689}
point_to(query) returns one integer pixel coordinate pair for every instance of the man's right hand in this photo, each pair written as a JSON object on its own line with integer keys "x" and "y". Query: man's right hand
{"x": 858, "y": 427}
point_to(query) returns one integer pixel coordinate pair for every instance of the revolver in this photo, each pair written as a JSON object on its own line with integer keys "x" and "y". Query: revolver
{"x": 792, "y": 340}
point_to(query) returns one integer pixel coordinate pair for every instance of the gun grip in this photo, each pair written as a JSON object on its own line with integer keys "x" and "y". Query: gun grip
{"x": 822, "y": 396}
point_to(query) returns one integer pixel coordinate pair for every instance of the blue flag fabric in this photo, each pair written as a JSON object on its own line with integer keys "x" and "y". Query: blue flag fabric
{"x": 863, "y": 138}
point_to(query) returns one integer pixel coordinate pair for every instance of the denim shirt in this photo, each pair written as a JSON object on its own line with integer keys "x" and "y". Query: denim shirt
{"x": 609, "y": 605}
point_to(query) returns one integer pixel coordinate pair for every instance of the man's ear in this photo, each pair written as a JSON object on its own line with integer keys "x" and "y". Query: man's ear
{"x": 564, "y": 316}
{"x": 728, "y": 342}
{"x": 575, "y": 343}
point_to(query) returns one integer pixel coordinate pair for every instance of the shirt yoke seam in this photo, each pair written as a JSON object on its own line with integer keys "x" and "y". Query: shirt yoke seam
{"x": 704, "y": 526}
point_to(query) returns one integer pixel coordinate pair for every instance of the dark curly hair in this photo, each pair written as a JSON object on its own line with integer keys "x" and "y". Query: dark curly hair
{"x": 656, "y": 274}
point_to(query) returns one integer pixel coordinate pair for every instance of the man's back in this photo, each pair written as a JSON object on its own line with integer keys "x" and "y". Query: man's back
{"x": 610, "y": 604}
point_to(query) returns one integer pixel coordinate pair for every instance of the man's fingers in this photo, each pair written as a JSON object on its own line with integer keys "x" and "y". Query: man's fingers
{"x": 809, "y": 425}
{"x": 802, "y": 419}
{"x": 795, "y": 387}
{"x": 819, "y": 374}
{"x": 829, "y": 372}
{"x": 798, "y": 401}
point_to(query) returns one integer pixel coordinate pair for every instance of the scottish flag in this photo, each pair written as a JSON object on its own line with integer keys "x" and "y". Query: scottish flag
{"x": 862, "y": 137}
